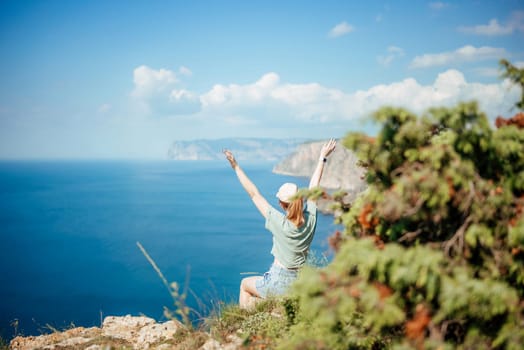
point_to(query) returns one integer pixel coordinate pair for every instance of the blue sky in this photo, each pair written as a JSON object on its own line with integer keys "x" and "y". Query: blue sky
{"x": 124, "y": 79}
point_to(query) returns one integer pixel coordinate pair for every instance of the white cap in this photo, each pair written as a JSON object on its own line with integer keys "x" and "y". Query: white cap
{"x": 287, "y": 191}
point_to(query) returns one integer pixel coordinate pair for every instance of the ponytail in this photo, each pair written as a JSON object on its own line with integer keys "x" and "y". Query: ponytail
{"x": 295, "y": 212}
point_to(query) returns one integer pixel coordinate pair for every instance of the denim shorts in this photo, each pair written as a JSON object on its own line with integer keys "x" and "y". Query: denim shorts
{"x": 276, "y": 281}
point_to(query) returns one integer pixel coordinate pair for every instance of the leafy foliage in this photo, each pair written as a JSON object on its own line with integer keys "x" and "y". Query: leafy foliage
{"x": 516, "y": 75}
{"x": 432, "y": 253}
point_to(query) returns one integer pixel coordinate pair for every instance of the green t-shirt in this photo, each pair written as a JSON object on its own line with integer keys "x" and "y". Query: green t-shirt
{"x": 291, "y": 243}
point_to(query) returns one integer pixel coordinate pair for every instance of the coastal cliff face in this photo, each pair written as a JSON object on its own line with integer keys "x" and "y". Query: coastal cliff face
{"x": 340, "y": 173}
{"x": 294, "y": 157}
{"x": 256, "y": 149}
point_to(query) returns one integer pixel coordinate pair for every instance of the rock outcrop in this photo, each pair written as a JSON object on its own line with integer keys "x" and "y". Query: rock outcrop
{"x": 340, "y": 173}
{"x": 129, "y": 332}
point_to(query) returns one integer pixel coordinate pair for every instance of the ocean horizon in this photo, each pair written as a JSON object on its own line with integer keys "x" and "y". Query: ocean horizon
{"x": 69, "y": 232}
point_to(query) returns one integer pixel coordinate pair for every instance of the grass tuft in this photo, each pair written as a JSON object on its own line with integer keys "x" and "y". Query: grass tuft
{"x": 262, "y": 327}
{"x": 179, "y": 298}
{"x": 3, "y": 344}
{"x": 259, "y": 328}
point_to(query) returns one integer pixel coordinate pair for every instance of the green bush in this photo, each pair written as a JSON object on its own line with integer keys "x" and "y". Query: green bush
{"x": 432, "y": 253}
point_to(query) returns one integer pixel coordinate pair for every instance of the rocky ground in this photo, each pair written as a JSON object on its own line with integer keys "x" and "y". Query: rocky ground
{"x": 127, "y": 332}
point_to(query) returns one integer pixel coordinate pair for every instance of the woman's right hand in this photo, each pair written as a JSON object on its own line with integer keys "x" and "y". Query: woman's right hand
{"x": 230, "y": 157}
{"x": 328, "y": 148}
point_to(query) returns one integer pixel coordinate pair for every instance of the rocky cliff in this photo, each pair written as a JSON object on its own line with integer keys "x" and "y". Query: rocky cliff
{"x": 341, "y": 170}
{"x": 243, "y": 148}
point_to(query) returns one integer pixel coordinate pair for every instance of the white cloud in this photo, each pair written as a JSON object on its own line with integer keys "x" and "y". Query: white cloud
{"x": 493, "y": 28}
{"x": 268, "y": 99}
{"x": 438, "y": 5}
{"x": 185, "y": 71}
{"x": 302, "y": 101}
{"x": 157, "y": 92}
{"x": 149, "y": 81}
{"x": 233, "y": 94}
{"x": 393, "y": 53}
{"x": 340, "y": 29}
{"x": 270, "y": 103}
{"x": 464, "y": 54}
{"x": 449, "y": 88}
{"x": 178, "y": 95}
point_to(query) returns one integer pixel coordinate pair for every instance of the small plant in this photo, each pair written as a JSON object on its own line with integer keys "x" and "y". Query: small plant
{"x": 226, "y": 320}
{"x": 186, "y": 339}
{"x": 3, "y": 344}
{"x": 14, "y": 324}
{"x": 262, "y": 327}
{"x": 179, "y": 298}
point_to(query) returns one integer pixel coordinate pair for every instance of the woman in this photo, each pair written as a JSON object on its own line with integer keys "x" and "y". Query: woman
{"x": 292, "y": 232}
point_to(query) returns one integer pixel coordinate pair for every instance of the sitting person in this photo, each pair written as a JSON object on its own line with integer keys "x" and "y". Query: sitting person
{"x": 292, "y": 232}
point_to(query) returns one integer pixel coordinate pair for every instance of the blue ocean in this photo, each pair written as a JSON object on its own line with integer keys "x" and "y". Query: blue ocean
{"x": 69, "y": 233}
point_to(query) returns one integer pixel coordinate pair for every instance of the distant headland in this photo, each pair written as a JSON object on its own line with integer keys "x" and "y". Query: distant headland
{"x": 258, "y": 149}
{"x": 293, "y": 157}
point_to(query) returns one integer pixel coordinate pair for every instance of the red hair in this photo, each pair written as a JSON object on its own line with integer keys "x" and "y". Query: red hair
{"x": 295, "y": 211}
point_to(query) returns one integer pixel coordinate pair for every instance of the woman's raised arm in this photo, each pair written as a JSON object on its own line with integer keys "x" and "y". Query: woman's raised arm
{"x": 326, "y": 150}
{"x": 259, "y": 201}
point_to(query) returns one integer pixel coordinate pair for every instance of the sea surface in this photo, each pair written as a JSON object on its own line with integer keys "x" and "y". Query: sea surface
{"x": 69, "y": 233}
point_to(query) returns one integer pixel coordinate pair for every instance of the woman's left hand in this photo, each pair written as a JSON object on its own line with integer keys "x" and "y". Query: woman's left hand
{"x": 328, "y": 148}
{"x": 230, "y": 157}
